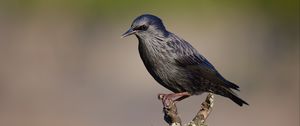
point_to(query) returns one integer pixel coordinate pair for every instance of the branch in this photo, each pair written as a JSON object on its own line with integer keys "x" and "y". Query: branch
{"x": 172, "y": 118}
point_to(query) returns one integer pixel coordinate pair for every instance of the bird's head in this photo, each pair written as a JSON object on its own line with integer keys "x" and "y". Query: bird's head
{"x": 146, "y": 26}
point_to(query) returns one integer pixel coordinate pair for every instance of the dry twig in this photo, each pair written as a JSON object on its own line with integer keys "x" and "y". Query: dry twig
{"x": 172, "y": 118}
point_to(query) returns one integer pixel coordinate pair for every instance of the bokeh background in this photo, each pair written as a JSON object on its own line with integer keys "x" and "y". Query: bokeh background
{"x": 63, "y": 63}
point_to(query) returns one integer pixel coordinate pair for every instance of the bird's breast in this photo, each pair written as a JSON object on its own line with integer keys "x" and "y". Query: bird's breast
{"x": 159, "y": 62}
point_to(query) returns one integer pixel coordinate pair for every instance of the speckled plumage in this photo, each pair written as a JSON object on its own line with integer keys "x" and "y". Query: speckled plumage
{"x": 175, "y": 64}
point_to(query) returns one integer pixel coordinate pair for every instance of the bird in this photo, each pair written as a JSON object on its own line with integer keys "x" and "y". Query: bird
{"x": 176, "y": 64}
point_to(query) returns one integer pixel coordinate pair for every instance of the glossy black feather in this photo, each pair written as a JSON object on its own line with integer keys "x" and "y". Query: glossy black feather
{"x": 195, "y": 61}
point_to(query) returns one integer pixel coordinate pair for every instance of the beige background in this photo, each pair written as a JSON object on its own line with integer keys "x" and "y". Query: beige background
{"x": 64, "y": 63}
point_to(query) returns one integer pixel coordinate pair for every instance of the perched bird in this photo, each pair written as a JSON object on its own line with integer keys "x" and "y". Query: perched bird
{"x": 175, "y": 64}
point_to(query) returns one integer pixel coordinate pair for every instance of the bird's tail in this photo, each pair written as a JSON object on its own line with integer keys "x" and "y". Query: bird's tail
{"x": 230, "y": 94}
{"x": 236, "y": 99}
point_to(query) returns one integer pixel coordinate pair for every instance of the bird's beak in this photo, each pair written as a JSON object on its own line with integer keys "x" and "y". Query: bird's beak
{"x": 129, "y": 32}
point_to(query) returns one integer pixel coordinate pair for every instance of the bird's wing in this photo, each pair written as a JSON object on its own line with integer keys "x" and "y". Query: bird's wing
{"x": 188, "y": 57}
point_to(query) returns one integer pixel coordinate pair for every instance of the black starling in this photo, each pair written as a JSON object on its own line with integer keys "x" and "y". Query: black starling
{"x": 175, "y": 64}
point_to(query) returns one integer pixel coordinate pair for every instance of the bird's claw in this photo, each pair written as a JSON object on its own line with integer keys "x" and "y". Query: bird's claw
{"x": 168, "y": 99}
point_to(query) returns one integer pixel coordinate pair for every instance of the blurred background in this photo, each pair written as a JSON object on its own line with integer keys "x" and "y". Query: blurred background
{"x": 63, "y": 62}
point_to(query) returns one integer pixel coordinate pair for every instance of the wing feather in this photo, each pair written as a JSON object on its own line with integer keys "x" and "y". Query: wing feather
{"x": 188, "y": 57}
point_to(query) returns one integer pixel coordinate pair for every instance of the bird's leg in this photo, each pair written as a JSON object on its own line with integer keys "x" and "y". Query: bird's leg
{"x": 170, "y": 98}
{"x": 181, "y": 98}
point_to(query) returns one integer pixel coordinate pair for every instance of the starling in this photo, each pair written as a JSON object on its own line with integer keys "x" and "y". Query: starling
{"x": 175, "y": 64}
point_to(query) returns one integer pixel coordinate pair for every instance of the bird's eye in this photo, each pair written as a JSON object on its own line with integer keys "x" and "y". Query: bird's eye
{"x": 142, "y": 27}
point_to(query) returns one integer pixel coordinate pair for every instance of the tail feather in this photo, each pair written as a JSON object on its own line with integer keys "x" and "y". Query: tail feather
{"x": 231, "y": 95}
{"x": 228, "y": 83}
{"x": 237, "y": 100}
{"x": 232, "y": 85}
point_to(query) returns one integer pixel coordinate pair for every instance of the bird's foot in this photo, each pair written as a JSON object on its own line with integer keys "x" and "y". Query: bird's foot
{"x": 168, "y": 99}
